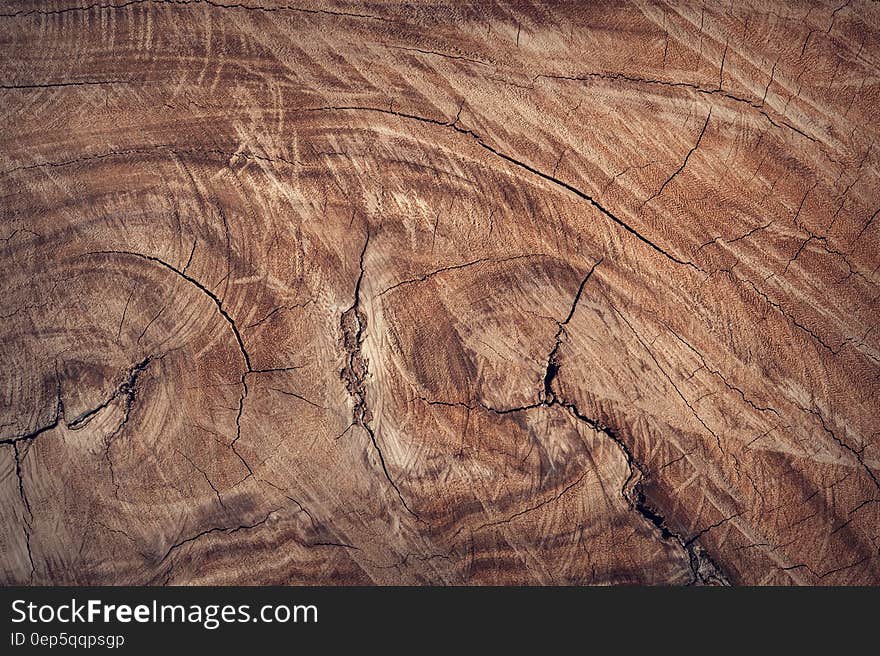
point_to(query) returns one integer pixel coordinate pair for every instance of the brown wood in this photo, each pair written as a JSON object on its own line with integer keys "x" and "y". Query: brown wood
{"x": 352, "y": 292}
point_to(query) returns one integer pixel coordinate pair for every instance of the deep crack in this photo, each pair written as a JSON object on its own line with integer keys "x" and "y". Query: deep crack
{"x": 353, "y": 324}
{"x": 552, "y": 359}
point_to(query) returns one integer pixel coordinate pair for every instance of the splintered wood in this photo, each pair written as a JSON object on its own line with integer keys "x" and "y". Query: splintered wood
{"x": 466, "y": 293}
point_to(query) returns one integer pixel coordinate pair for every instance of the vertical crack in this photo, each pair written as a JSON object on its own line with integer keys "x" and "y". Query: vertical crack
{"x": 353, "y": 324}
{"x": 128, "y": 389}
{"x": 241, "y": 399}
{"x": 26, "y": 521}
{"x": 552, "y": 359}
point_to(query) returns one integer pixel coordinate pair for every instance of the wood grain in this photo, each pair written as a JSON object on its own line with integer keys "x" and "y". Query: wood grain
{"x": 424, "y": 293}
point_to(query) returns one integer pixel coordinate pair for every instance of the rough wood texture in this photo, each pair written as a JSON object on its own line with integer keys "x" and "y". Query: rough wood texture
{"x": 439, "y": 293}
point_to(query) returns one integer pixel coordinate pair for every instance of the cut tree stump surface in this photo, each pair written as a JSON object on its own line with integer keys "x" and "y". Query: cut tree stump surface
{"x": 423, "y": 293}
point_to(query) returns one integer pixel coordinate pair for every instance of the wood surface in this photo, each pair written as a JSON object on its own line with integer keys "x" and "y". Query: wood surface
{"x": 425, "y": 293}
